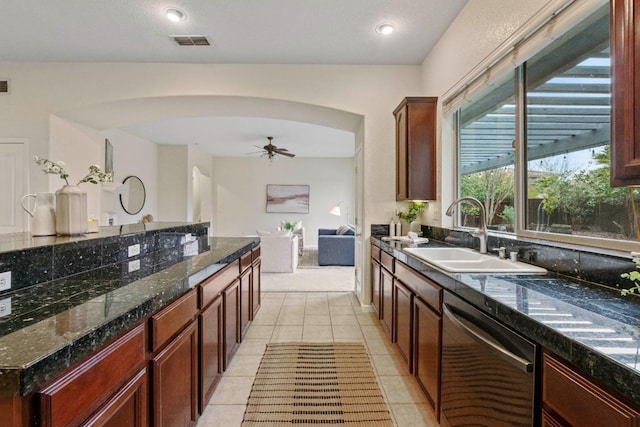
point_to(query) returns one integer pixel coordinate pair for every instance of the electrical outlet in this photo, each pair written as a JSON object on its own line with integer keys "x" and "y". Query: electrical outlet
{"x": 134, "y": 250}
{"x": 134, "y": 265}
{"x": 5, "y": 307}
{"x": 5, "y": 280}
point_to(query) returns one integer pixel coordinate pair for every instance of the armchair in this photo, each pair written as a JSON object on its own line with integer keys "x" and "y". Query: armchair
{"x": 279, "y": 253}
{"x": 335, "y": 248}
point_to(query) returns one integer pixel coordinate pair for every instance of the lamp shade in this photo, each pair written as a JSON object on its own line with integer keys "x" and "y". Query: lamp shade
{"x": 335, "y": 210}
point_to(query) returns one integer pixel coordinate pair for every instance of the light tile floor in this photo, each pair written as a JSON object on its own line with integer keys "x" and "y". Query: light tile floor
{"x": 316, "y": 316}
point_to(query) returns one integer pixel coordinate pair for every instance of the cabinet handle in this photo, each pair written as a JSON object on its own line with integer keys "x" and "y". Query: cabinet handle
{"x": 485, "y": 338}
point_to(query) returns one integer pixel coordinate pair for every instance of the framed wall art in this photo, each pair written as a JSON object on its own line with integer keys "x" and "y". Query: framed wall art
{"x": 287, "y": 198}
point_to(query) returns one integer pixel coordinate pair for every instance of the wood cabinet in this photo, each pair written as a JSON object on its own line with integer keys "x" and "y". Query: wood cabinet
{"x": 245, "y": 302}
{"x": 402, "y": 321}
{"x": 375, "y": 286}
{"x": 427, "y": 330}
{"x": 211, "y": 346}
{"x": 571, "y": 399}
{"x": 625, "y": 91}
{"x": 386, "y": 294}
{"x": 415, "y": 119}
{"x": 231, "y": 301}
{"x": 80, "y": 392}
{"x": 175, "y": 381}
{"x": 255, "y": 287}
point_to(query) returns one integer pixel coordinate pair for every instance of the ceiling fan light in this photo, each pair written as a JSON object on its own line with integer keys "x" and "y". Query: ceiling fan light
{"x": 175, "y": 15}
{"x": 384, "y": 29}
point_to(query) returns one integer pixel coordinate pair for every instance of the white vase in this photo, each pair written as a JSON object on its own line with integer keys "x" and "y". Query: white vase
{"x": 71, "y": 211}
{"x": 43, "y": 214}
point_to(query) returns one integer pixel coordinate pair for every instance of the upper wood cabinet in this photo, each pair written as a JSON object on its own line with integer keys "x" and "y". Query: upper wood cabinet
{"x": 416, "y": 148}
{"x": 625, "y": 91}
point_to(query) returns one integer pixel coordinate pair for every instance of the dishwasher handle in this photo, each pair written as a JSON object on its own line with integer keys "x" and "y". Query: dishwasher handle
{"x": 480, "y": 335}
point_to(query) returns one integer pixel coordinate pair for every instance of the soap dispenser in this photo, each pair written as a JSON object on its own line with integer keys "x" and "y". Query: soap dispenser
{"x": 392, "y": 228}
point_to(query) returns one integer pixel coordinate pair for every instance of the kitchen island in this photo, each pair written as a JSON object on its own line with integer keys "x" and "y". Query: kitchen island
{"x": 144, "y": 295}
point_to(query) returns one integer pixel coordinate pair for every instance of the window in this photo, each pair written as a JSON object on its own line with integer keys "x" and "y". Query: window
{"x": 564, "y": 112}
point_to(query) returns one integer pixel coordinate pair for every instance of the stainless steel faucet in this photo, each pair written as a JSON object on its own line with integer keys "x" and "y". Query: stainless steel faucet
{"x": 480, "y": 232}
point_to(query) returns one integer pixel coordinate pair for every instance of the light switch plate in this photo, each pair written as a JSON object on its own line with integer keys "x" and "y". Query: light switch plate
{"x": 134, "y": 265}
{"x": 5, "y": 307}
{"x": 134, "y": 250}
{"x": 5, "y": 280}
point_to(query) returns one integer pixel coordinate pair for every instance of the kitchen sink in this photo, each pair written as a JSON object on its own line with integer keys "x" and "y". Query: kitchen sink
{"x": 462, "y": 260}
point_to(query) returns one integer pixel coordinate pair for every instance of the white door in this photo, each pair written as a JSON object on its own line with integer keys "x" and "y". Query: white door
{"x": 12, "y": 187}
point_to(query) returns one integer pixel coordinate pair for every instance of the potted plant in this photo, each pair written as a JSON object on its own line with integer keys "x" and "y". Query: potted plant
{"x": 412, "y": 212}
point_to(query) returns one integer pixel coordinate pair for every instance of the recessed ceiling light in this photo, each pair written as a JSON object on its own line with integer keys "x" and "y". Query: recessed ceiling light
{"x": 175, "y": 15}
{"x": 384, "y": 29}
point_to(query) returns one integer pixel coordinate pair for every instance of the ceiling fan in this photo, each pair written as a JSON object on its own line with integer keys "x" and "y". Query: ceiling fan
{"x": 270, "y": 150}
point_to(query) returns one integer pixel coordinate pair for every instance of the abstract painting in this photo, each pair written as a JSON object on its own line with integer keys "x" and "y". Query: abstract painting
{"x": 287, "y": 198}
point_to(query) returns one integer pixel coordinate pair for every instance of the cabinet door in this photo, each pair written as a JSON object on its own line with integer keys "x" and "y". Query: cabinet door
{"x": 386, "y": 290}
{"x": 175, "y": 381}
{"x": 211, "y": 340}
{"x": 245, "y": 302}
{"x": 579, "y": 401}
{"x": 401, "y": 153}
{"x": 375, "y": 286}
{"x": 255, "y": 288}
{"x": 231, "y": 310}
{"x": 625, "y": 121}
{"x": 416, "y": 148}
{"x": 402, "y": 321}
{"x": 128, "y": 407}
{"x": 77, "y": 394}
{"x": 427, "y": 332}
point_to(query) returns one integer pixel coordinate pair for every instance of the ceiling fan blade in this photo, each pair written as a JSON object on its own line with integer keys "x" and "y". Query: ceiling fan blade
{"x": 285, "y": 154}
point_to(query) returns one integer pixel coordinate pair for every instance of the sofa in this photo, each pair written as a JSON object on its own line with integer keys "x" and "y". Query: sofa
{"x": 279, "y": 252}
{"x": 336, "y": 246}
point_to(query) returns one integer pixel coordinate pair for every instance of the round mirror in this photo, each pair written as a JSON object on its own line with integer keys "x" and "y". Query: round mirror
{"x": 133, "y": 195}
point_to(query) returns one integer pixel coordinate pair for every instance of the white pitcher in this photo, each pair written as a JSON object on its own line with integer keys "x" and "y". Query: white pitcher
{"x": 43, "y": 222}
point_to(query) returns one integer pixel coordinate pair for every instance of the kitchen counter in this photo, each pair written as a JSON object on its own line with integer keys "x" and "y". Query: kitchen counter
{"x": 594, "y": 328}
{"x": 52, "y": 325}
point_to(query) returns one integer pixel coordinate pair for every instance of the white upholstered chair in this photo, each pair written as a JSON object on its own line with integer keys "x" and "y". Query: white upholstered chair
{"x": 279, "y": 252}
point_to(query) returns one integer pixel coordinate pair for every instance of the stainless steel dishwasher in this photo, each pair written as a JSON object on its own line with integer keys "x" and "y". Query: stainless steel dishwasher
{"x": 488, "y": 371}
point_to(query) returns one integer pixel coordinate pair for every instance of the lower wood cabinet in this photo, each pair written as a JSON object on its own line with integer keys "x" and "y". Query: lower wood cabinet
{"x": 175, "y": 381}
{"x": 211, "y": 332}
{"x": 375, "y": 285}
{"x": 128, "y": 407}
{"x": 386, "y": 299}
{"x": 245, "y": 302}
{"x": 255, "y": 287}
{"x": 231, "y": 301}
{"x": 571, "y": 399}
{"x": 402, "y": 321}
{"x": 427, "y": 332}
{"x": 79, "y": 393}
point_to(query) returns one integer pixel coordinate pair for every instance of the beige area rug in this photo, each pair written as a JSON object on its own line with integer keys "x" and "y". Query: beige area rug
{"x": 316, "y": 383}
{"x": 310, "y": 280}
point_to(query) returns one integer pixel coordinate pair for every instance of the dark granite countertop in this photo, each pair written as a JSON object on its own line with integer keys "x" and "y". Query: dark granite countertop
{"x": 55, "y": 324}
{"x": 592, "y": 327}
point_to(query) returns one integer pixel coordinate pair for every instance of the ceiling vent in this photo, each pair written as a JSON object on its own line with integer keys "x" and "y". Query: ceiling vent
{"x": 191, "y": 40}
{"x": 4, "y": 86}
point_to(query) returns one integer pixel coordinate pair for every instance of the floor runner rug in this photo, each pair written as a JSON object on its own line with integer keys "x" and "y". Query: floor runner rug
{"x": 316, "y": 384}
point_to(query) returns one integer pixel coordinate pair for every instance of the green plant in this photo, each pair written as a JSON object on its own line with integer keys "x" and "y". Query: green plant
{"x": 412, "y": 211}
{"x": 634, "y": 276}
{"x": 508, "y": 214}
{"x": 288, "y": 225}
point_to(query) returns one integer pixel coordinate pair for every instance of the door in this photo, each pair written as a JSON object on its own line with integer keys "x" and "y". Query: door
{"x": 211, "y": 331}
{"x": 13, "y": 185}
{"x": 359, "y": 245}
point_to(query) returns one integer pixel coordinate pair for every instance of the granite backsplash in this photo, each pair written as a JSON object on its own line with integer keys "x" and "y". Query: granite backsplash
{"x": 36, "y": 260}
{"x": 596, "y": 266}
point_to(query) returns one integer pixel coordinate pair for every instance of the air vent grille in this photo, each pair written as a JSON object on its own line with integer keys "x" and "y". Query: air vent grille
{"x": 191, "y": 40}
{"x": 4, "y": 86}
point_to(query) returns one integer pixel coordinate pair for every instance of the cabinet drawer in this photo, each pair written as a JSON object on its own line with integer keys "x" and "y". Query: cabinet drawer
{"x": 428, "y": 291}
{"x": 387, "y": 261}
{"x": 212, "y": 287}
{"x": 245, "y": 262}
{"x": 581, "y": 402}
{"x": 171, "y": 319}
{"x": 375, "y": 252}
{"x": 75, "y": 395}
{"x": 255, "y": 253}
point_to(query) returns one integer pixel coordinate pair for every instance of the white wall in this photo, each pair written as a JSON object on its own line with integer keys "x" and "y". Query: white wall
{"x": 241, "y": 193}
